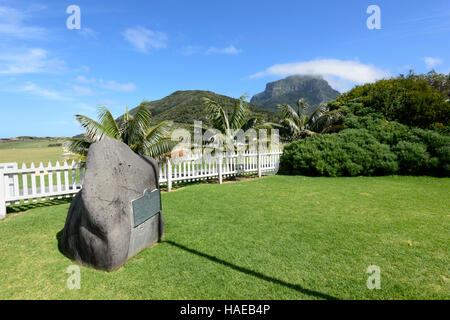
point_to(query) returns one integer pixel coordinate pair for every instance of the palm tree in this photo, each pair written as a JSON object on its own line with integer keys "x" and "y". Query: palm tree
{"x": 330, "y": 121}
{"x": 135, "y": 131}
{"x": 227, "y": 124}
{"x": 297, "y": 121}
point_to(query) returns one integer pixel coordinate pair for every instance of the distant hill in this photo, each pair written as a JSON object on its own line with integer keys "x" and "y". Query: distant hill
{"x": 183, "y": 107}
{"x": 314, "y": 89}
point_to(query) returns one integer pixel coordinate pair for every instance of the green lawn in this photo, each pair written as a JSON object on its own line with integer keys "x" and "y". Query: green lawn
{"x": 35, "y": 151}
{"x": 279, "y": 237}
{"x": 28, "y": 151}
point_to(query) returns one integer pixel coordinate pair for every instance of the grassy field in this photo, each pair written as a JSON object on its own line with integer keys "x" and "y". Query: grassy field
{"x": 279, "y": 237}
{"x": 30, "y": 151}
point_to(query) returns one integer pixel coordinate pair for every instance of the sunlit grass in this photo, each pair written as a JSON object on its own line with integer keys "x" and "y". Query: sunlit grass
{"x": 29, "y": 155}
{"x": 280, "y": 237}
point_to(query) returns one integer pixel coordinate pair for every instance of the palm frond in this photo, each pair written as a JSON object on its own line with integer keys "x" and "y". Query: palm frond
{"x": 251, "y": 123}
{"x": 240, "y": 113}
{"x": 327, "y": 120}
{"x": 139, "y": 124}
{"x": 159, "y": 132}
{"x": 93, "y": 130}
{"x": 159, "y": 148}
{"x": 302, "y": 108}
{"x": 125, "y": 126}
{"x": 319, "y": 112}
{"x": 267, "y": 126}
{"x": 217, "y": 115}
{"x": 76, "y": 146}
{"x": 191, "y": 127}
{"x": 108, "y": 123}
{"x": 132, "y": 130}
{"x": 287, "y": 112}
{"x": 291, "y": 125}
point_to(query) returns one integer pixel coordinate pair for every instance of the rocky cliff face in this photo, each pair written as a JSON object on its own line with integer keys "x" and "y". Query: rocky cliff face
{"x": 314, "y": 89}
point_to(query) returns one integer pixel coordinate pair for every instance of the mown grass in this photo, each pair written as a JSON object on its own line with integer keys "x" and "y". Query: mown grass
{"x": 29, "y": 151}
{"x": 280, "y": 237}
{"x": 34, "y": 151}
{"x": 29, "y": 155}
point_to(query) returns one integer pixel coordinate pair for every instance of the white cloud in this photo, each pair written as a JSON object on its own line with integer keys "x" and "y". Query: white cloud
{"x": 83, "y": 91}
{"x": 84, "y": 106}
{"x": 343, "y": 74}
{"x": 108, "y": 102}
{"x": 88, "y": 32}
{"x": 144, "y": 39}
{"x": 83, "y": 79}
{"x": 82, "y": 69}
{"x": 108, "y": 85}
{"x": 115, "y": 86}
{"x": 231, "y": 50}
{"x": 432, "y": 62}
{"x": 12, "y": 24}
{"x": 32, "y": 61}
{"x": 33, "y": 88}
{"x": 190, "y": 50}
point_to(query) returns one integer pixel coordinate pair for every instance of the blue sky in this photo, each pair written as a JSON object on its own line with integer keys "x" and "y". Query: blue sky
{"x": 128, "y": 51}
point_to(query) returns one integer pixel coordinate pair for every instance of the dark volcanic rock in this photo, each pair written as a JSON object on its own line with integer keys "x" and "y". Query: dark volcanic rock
{"x": 314, "y": 89}
{"x": 99, "y": 229}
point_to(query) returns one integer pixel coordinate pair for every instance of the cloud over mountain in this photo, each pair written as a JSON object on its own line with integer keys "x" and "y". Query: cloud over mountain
{"x": 340, "y": 73}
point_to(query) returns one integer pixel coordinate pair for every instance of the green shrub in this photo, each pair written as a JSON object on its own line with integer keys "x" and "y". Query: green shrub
{"x": 370, "y": 146}
{"x": 408, "y": 101}
{"x": 379, "y": 134}
{"x": 351, "y": 152}
{"x": 413, "y": 158}
{"x": 400, "y": 138}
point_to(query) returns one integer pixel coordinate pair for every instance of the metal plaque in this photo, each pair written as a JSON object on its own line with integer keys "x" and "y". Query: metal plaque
{"x": 146, "y": 207}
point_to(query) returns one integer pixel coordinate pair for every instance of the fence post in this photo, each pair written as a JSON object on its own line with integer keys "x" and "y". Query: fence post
{"x": 219, "y": 169}
{"x": 169, "y": 175}
{"x": 2, "y": 196}
{"x": 259, "y": 162}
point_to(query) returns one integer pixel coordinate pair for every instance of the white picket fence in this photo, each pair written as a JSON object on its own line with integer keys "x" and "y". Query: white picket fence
{"x": 37, "y": 183}
{"x": 50, "y": 182}
{"x": 198, "y": 167}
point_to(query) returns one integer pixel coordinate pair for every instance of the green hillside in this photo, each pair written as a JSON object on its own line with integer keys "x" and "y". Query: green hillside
{"x": 183, "y": 107}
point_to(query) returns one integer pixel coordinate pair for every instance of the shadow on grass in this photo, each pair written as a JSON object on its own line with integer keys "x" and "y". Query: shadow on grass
{"x": 59, "y": 239}
{"x": 33, "y": 205}
{"x": 254, "y": 273}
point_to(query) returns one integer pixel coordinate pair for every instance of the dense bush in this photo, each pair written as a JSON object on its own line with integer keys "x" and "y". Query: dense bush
{"x": 370, "y": 145}
{"x": 438, "y": 81}
{"x": 409, "y": 101}
{"x": 382, "y": 129}
{"x": 351, "y": 152}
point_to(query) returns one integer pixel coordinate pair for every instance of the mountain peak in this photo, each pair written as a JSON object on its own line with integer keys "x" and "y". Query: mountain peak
{"x": 314, "y": 89}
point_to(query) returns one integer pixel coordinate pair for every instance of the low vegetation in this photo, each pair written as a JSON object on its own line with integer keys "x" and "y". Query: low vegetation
{"x": 25, "y": 150}
{"x": 370, "y": 146}
{"x": 410, "y": 101}
{"x": 376, "y": 130}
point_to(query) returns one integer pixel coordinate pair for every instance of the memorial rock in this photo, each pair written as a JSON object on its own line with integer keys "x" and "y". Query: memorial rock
{"x": 118, "y": 211}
